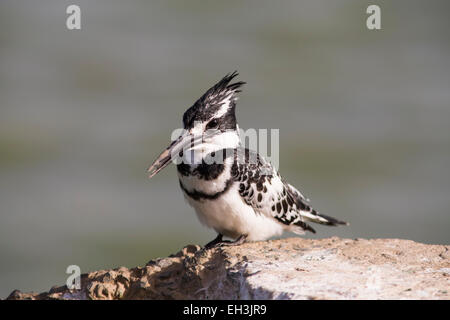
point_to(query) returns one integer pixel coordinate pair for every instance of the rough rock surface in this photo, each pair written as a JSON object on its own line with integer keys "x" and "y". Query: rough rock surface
{"x": 280, "y": 269}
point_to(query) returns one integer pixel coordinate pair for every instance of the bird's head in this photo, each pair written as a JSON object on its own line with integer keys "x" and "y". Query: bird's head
{"x": 209, "y": 125}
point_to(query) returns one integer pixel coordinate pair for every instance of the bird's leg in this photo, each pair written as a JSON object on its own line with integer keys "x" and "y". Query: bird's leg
{"x": 219, "y": 242}
{"x": 214, "y": 242}
{"x": 240, "y": 240}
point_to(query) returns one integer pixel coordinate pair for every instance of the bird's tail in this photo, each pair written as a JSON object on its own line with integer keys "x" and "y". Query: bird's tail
{"x": 301, "y": 226}
{"x": 316, "y": 217}
{"x": 307, "y": 213}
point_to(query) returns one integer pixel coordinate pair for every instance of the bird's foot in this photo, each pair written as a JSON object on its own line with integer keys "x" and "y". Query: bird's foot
{"x": 240, "y": 240}
{"x": 218, "y": 242}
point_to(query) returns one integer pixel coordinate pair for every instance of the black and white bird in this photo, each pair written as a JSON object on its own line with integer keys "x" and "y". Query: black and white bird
{"x": 233, "y": 189}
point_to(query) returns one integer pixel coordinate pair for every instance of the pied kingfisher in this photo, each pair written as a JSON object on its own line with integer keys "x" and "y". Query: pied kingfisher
{"x": 242, "y": 196}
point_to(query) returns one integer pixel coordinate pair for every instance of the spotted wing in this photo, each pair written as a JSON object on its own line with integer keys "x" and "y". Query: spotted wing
{"x": 262, "y": 187}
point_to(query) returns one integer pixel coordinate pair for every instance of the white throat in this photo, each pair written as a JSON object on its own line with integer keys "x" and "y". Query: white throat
{"x": 225, "y": 140}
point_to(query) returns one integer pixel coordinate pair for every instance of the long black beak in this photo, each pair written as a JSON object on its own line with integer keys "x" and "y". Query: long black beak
{"x": 172, "y": 152}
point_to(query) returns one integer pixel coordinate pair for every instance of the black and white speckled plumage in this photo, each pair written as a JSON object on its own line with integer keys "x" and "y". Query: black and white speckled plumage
{"x": 243, "y": 196}
{"x": 263, "y": 188}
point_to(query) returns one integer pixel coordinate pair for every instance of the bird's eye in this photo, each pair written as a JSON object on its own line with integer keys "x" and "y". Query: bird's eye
{"x": 212, "y": 124}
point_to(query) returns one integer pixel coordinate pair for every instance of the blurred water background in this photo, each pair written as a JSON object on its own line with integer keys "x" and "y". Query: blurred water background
{"x": 364, "y": 119}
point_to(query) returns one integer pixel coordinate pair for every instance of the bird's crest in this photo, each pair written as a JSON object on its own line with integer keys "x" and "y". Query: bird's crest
{"x": 222, "y": 90}
{"x": 220, "y": 96}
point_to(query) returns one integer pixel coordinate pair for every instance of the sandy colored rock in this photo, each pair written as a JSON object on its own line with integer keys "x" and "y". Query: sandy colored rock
{"x": 293, "y": 268}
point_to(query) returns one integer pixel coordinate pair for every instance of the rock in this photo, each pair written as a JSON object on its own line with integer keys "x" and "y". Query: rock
{"x": 293, "y": 268}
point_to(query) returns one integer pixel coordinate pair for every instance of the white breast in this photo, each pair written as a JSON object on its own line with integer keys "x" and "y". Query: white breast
{"x": 232, "y": 217}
